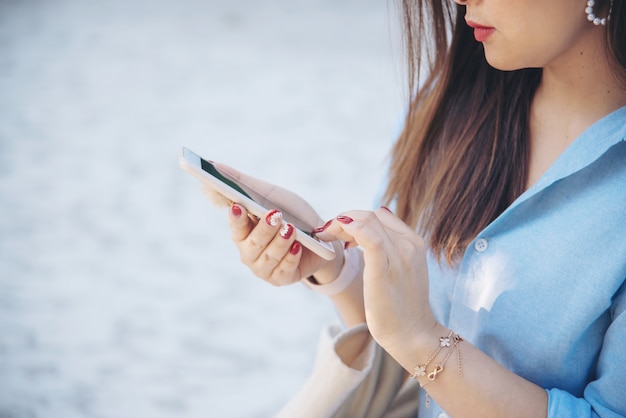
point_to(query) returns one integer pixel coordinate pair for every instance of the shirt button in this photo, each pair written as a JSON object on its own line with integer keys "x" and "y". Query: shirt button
{"x": 481, "y": 245}
{"x": 442, "y": 415}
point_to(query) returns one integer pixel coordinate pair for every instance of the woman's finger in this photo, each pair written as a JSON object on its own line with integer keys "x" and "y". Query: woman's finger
{"x": 252, "y": 246}
{"x": 287, "y": 271}
{"x": 362, "y": 228}
{"x": 240, "y": 222}
{"x": 273, "y": 253}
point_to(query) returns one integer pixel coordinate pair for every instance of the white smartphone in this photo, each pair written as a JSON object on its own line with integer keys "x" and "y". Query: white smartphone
{"x": 237, "y": 192}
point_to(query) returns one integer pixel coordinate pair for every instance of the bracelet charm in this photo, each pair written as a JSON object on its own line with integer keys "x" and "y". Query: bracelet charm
{"x": 451, "y": 344}
{"x": 433, "y": 375}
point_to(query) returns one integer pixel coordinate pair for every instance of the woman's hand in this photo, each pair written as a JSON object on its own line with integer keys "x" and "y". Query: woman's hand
{"x": 269, "y": 248}
{"x": 395, "y": 278}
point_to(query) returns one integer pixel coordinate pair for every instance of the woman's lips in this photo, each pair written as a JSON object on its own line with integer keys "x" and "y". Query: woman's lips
{"x": 481, "y": 33}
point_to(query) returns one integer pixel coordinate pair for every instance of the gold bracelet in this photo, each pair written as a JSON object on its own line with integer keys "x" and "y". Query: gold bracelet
{"x": 420, "y": 369}
{"x": 444, "y": 342}
{"x": 451, "y": 342}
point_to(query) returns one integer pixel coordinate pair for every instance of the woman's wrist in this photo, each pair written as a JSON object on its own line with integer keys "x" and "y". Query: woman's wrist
{"x": 331, "y": 281}
{"x": 415, "y": 349}
{"x": 331, "y": 270}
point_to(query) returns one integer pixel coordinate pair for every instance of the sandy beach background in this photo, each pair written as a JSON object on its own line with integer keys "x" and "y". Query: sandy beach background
{"x": 121, "y": 295}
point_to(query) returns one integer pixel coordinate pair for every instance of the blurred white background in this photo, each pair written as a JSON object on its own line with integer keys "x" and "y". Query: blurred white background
{"x": 121, "y": 294}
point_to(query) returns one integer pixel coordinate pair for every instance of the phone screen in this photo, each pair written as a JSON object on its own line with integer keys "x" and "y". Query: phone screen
{"x": 252, "y": 195}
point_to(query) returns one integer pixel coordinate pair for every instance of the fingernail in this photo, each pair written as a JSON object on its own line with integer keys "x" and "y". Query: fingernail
{"x": 274, "y": 217}
{"x": 235, "y": 209}
{"x": 295, "y": 248}
{"x": 387, "y": 209}
{"x": 346, "y": 245}
{"x": 344, "y": 219}
{"x": 322, "y": 228}
{"x": 286, "y": 231}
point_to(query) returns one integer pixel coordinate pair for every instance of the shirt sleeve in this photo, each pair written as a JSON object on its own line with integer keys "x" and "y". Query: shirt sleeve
{"x": 605, "y": 396}
{"x": 370, "y": 386}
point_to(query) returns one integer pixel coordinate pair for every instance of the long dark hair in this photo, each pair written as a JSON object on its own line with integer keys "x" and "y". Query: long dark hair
{"x": 463, "y": 155}
{"x": 615, "y": 36}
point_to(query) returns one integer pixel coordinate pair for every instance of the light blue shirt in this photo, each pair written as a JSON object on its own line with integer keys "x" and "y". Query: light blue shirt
{"x": 542, "y": 289}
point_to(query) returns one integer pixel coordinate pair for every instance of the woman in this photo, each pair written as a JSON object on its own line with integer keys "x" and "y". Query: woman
{"x": 498, "y": 288}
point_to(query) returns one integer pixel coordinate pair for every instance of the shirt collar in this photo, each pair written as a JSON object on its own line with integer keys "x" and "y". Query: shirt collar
{"x": 594, "y": 142}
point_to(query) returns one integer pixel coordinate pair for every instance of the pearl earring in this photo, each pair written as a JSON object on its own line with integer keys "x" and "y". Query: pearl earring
{"x": 592, "y": 17}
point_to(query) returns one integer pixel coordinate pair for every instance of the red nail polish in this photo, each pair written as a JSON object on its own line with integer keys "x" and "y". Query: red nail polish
{"x": 322, "y": 228}
{"x": 286, "y": 231}
{"x": 344, "y": 219}
{"x": 295, "y": 248}
{"x": 386, "y": 208}
{"x": 235, "y": 209}
{"x": 274, "y": 217}
{"x": 346, "y": 245}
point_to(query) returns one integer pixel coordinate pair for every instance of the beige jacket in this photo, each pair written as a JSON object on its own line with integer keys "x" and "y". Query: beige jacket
{"x": 373, "y": 385}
